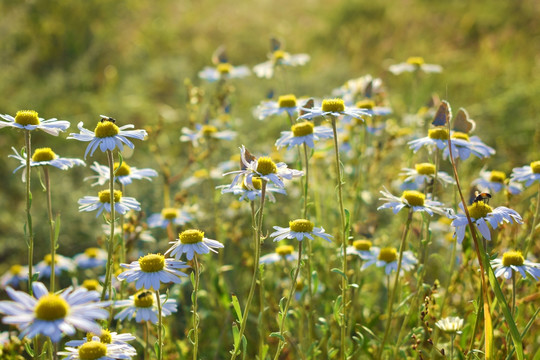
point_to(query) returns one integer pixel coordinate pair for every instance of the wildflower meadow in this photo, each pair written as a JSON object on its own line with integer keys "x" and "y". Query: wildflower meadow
{"x": 269, "y": 180}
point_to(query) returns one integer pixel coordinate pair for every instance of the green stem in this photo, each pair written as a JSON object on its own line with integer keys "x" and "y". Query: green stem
{"x": 195, "y": 306}
{"x": 533, "y": 225}
{"x": 343, "y": 242}
{"x": 257, "y": 236}
{"x": 160, "y": 327}
{"x": 402, "y": 247}
{"x": 51, "y": 225}
{"x": 513, "y": 293}
{"x": 281, "y": 344}
{"x": 109, "y": 269}
{"x": 452, "y": 346}
{"x": 29, "y": 230}
{"x": 123, "y": 255}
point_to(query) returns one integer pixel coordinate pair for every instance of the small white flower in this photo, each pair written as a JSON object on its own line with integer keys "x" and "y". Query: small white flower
{"x": 14, "y": 276}
{"x": 107, "y": 136}
{"x": 124, "y": 175}
{"x": 450, "y": 325}
{"x": 299, "y": 229}
{"x": 61, "y": 263}
{"x": 222, "y": 71}
{"x": 363, "y": 87}
{"x": 463, "y": 146}
{"x": 335, "y": 108}
{"x": 528, "y": 173}
{"x": 413, "y": 64}
{"x": 122, "y": 204}
{"x": 513, "y": 261}
{"x": 53, "y": 315}
{"x": 190, "y": 242}
{"x": 108, "y": 337}
{"x": 91, "y": 258}
{"x": 388, "y": 258}
{"x": 283, "y": 252}
{"x": 168, "y": 216}
{"x": 143, "y": 307}
{"x": 152, "y": 270}
{"x": 495, "y": 181}
{"x": 205, "y": 132}
{"x": 251, "y": 194}
{"x": 411, "y": 199}
{"x": 424, "y": 173}
{"x": 29, "y": 120}
{"x": 286, "y": 103}
{"x": 97, "y": 350}
{"x": 362, "y": 248}
{"x": 303, "y": 133}
{"x": 44, "y": 157}
{"x": 279, "y": 58}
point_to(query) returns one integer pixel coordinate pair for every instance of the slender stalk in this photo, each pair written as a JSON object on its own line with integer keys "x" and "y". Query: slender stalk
{"x": 513, "y": 293}
{"x": 257, "y": 236}
{"x": 533, "y": 225}
{"x": 160, "y": 326}
{"x": 195, "y": 306}
{"x": 402, "y": 247}
{"x": 29, "y": 231}
{"x": 281, "y": 344}
{"x": 452, "y": 346}
{"x": 147, "y": 340}
{"x": 109, "y": 269}
{"x": 344, "y": 237}
{"x": 51, "y": 225}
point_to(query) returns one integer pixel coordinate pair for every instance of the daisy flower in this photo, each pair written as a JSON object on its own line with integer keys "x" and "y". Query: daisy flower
{"x": 107, "y": 337}
{"x": 372, "y": 109}
{"x": 152, "y": 270}
{"x": 279, "y": 58}
{"x": 53, "y": 315}
{"x": 299, "y": 229}
{"x": 91, "y": 258}
{"x": 224, "y": 71}
{"x": 14, "y": 276}
{"x": 361, "y": 248}
{"x": 413, "y": 64}
{"x": 44, "y": 157}
{"x": 388, "y": 258}
{"x": 481, "y": 215}
{"x": 263, "y": 168}
{"x": 96, "y": 350}
{"x": 124, "y": 173}
{"x": 61, "y": 263}
{"x": 450, "y": 325}
{"x": 513, "y": 261}
{"x": 286, "y": 103}
{"x": 205, "y": 132}
{"x": 143, "y": 307}
{"x": 29, "y": 120}
{"x": 335, "y": 108}
{"x": 251, "y": 194}
{"x": 464, "y": 145}
{"x": 103, "y": 202}
{"x": 92, "y": 285}
{"x": 424, "y": 173}
{"x": 190, "y": 242}
{"x": 303, "y": 132}
{"x": 107, "y": 136}
{"x": 168, "y": 216}
{"x": 495, "y": 181}
{"x": 528, "y": 173}
{"x": 283, "y": 252}
{"x": 437, "y": 137}
{"x": 412, "y": 199}
{"x": 364, "y": 87}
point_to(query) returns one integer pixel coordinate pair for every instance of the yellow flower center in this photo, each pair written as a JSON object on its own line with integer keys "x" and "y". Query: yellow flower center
{"x": 129, "y": 228}
{"x": 48, "y": 259}
{"x": 497, "y": 176}
{"x": 208, "y": 130}
{"x": 169, "y": 213}
{"x": 362, "y": 245}
{"x": 201, "y": 174}
{"x": 27, "y": 117}
{"x": 513, "y": 258}
{"x": 92, "y": 252}
{"x": 256, "y": 182}
{"x": 284, "y": 250}
{"x": 143, "y": 299}
{"x": 152, "y": 263}
{"x": 388, "y": 254}
{"x": 460, "y": 136}
{"x": 92, "y": 350}
{"x": 43, "y": 154}
{"x": 266, "y": 166}
{"x": 90, "y": 284}
{"x": 123, "y": 170}
{"x": 106, "y": 129}
{"x": 51, "y": 307}
{"x": 415, "y": 60}
{"x": 302, "y": 128}
{"x": 105, "y": 196}
{"x": 413, "y": 197}
{"x": 333, "y": 105}
{"x": 479, "y": 210}
{"x": 287, "y": 101}
{"x": 301, "y": 225}
{"x": 224, "y": 68}
{"x": 105, "y": 337}
{"x": 279, "y": 55}
{"x": 191, "y": 236}
{"x": 15, "y": 269}
{"x": 425, "y": 168}
{"x": 365, "y": 104}
{"x": 438, "y": 134}
{"x": 535, "y": 167}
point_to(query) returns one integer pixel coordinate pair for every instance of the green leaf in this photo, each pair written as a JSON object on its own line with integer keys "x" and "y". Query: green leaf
{"x": 237, "y": 309}
{"x": 28, "y": 349}
{"x": 347, "y": 223}
{"x": 337, "y": 310}
{"x": 236, "y": 333}
{"x": 338, "y": 271}
{"x": 56, "y": 230}
{"x": 156, "y": 349}
{"x": 278, "y": 335}
{"x": 315, "y": 281}
{"x": 120, "y": 162}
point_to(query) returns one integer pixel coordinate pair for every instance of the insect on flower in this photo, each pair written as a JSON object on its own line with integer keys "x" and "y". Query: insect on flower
{"x": 482, "y": 196}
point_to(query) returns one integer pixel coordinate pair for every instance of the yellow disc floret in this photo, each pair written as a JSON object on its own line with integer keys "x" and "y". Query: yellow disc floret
{"x": 333, "y": 105}
{"x": 413, "y": 197}
{"x": 92, "y": 252}
{"x": 416, "y": 61}
{"x": 365, "y": 104}
{"x": 105, "y": 196}
{"x": 90, "y": 284}
{"x": 266, "y": 166}
{"x": 48, "y": 259}
{"x": 279, "y": 55}
{"x": 460, "y": 136}
{"x": 438, "y": 134}
{"x": 15, "y": 269}
{"x": 284, "y": 250}
{"x": 256, "y": 182}
{"x": 123, "y": 170}
{"x": 362, "y": 245}
{"x": 208, "y": 130}
{"x": 497, "y": 176}
{"x": 105, "y": 337}
{"x": 535, "y": 167}
{"x": 301, "y": 225}
{"x": 143, "y": 299}
{"x": 479, "y": 210}
{"x": 51, "y": 307}
{"x": 92, "y": 350}
{"x": 287, "y": 101}
{"x": 152, "y": 263}
{"x": 169, "y": 213}
{"x": 425, "y": 168}
{"x": 224, "y": 68}
{"x": 191, "y": 236}
{"x": 43, "y": 154}
{"x": 388, "y": 254}
{"x": 513, "y": 258}
{"x": 302, "y": 128}
{"x": 27, "y": 117}
{"x": 106, "y": 129}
